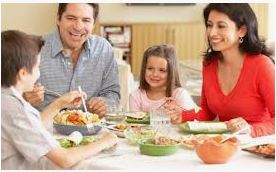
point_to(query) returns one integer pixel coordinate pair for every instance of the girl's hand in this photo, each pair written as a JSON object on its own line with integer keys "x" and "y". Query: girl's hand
{"x": 71, "y": 99}
{"x": 173, "y": 110}
{"x": 238, "y": 124}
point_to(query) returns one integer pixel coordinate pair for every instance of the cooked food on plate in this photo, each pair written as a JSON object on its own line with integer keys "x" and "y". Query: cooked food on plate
{"x": 265, "y": 150}
{"x": 75, "y": 117}
{"x": 203, "y": 127}
{"x": 136, "y": 115}
{"x": 208, "y": 126}
{"x": 162, "y": 140}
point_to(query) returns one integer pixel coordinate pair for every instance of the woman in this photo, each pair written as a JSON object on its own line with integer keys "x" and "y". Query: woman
{"x": 238, "y": 75}
{"x": 24, "y": 138}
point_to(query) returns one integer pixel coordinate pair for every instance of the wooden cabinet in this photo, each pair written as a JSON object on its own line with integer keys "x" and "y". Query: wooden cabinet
{"x": 119, "y": 36}
{"x": 188, "y": 39}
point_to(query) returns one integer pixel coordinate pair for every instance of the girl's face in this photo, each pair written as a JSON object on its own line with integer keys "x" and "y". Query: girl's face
{"x": 156, "y": 72}
{"x": 31, "y": 78}
{"x": 222, "y": 32}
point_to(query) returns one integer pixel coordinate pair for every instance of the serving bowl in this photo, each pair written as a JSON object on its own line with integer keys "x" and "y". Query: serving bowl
{"x": 134, "y": 135}
{"x": 210, "y": 151}
{"x": 150, "y": 147}
{"x": 84, "y": 130}
{"x": 68, "y": 121}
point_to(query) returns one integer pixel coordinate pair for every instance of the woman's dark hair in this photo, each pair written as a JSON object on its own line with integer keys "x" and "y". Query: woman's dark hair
{"x": 62, "y": 8}
{"x": 18, "y": 50}
{"x": 168, "y": 53}
{"x": 242, "y": 15}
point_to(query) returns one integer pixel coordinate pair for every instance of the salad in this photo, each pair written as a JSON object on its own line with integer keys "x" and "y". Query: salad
{"x": 66, "y": 143}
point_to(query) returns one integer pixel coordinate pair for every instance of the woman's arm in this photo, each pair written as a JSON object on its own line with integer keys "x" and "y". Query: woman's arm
{"x": 266, "y": 88}
{"x": 203, "y": 115}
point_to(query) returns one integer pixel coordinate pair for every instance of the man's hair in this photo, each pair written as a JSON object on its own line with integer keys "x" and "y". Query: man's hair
{"x": 62, "y": 8}
{"x": 18, "y": 50}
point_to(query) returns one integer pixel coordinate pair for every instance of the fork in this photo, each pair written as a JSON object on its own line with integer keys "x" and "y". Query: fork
{"x": 50, "y": 92}
{"x": 163, "y": 104}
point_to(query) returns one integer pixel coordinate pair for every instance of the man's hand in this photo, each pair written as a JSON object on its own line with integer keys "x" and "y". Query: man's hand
{"x": 98, "y": 106}
{"x": 36, "y": 96}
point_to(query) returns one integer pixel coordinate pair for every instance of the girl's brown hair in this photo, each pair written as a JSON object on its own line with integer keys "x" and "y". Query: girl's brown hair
{"x": 167, "y": 52}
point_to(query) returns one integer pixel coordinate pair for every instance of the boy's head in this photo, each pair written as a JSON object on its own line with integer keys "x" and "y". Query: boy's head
{"x": 19, "y": 55}
{"x": 166, "y": 52}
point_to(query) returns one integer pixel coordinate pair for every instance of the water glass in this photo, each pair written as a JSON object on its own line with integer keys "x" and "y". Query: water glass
{"x": 160, "y": 122}
{"x": 115, "y": 114}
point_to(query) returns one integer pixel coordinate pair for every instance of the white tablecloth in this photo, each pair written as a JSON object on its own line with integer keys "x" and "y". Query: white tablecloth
{"x": 127, "y": 156}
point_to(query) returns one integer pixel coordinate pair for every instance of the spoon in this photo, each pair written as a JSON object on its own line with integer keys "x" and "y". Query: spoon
{"x": 234, "y": 134}
{"x": 83, "y": 102}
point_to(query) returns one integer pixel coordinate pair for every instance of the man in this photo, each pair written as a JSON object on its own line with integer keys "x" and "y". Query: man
{"x": 72, "y": 57}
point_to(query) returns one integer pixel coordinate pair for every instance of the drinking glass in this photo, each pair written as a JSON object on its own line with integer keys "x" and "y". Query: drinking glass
{"x": 160, "y": 122}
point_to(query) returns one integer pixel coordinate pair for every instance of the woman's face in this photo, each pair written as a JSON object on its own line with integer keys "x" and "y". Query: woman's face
{"x": 156, "y": 72}
{"x": 222, "y": 32}
{"x": 31, "y": 78}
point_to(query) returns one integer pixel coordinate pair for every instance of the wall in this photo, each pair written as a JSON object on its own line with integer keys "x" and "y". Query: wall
{"x": 31, "y": 18}
{"x": 39, "y": 18}
{"x": 150, "y": 14}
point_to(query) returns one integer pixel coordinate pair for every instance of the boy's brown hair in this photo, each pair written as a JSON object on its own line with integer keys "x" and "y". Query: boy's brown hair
{"x": 18, "y": 50}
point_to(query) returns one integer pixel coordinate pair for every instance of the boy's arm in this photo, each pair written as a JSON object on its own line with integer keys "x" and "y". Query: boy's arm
{"x": 66, "y": 158}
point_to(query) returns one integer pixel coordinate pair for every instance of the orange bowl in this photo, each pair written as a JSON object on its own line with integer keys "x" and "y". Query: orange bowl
{"x": 210, "y": 151}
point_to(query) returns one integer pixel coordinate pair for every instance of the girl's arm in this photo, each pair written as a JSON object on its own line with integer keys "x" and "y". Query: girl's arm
{"x": 134, "y": 102}
{"x": 184, "y": 99}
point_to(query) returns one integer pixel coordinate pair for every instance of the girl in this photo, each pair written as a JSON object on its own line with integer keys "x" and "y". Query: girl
{"x": 25, "y": 142}
{"x": 159, "y": 82}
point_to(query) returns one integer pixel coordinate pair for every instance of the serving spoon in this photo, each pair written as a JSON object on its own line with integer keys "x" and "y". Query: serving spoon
{"x": 233, "y": 134}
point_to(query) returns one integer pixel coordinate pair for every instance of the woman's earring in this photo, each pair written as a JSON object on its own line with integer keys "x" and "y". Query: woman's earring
{"x": 241, "y": 40}
{"x": 209, "y": 50}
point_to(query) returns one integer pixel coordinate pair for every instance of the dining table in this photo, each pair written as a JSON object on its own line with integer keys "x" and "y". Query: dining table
{"x": 126, "y": 156}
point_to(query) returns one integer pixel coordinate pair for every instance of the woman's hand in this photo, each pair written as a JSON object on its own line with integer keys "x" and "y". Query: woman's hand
{"x": 238, "y": 124}
{"x": 70, "y": 100}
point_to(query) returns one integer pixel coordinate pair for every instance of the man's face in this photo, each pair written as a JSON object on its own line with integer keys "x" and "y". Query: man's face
{"x": 75, "y": 25}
